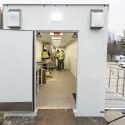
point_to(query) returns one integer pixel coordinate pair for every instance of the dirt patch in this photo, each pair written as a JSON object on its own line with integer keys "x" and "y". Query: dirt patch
{"x": 19, "y": 121}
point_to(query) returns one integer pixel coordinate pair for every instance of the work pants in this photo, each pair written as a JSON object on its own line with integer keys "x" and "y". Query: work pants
{"x": 60, "y": 64}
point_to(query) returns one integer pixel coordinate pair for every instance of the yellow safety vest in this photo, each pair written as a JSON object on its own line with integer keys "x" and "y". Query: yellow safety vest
{"x": 60, "y": 56}
{"x": 45, "y": 54}
{"x": 63, "y": 55}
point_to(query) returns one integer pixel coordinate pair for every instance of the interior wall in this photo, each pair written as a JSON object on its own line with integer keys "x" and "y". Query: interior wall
{"x": 38, "y": 47}
{"x": 71, "y": 58}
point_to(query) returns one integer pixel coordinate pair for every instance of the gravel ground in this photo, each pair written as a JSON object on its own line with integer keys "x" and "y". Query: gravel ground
{"x": 1, "y": 117}
{"x": 19, "y": 121}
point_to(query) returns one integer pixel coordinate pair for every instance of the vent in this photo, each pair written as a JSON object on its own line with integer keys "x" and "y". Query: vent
{"x": 14, "y": 18}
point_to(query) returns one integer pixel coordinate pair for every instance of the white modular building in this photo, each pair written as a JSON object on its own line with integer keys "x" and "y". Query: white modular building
{"x": 18, "y": 87}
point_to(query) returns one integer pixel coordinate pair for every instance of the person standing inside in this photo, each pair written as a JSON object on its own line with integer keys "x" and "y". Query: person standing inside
{"x": 60, "y": 56}
{"x": 45, "y": 56}
{"x": 63, "y": 57}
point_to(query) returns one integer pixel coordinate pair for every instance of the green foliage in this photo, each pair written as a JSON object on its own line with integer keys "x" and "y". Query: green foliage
{"x": 122, "y": 42}
{"x": 1, "y": 117}
{"x": 122, "y": 45}
{"x": 112, "y": 49}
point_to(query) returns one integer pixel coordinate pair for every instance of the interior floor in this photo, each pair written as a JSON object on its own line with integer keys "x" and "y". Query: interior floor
{"x": 58, "y": 91}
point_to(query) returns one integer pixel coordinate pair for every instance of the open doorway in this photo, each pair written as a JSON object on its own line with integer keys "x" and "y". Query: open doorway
{"x": 56, "y": 81}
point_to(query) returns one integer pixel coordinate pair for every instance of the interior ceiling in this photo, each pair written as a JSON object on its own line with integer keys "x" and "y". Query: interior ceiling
{"x": 66, "y": 39}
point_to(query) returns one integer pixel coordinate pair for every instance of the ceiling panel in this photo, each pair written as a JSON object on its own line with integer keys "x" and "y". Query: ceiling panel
{"x": 66, "y": 39}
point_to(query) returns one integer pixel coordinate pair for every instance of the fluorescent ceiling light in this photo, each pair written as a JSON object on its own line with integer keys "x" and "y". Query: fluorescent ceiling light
{"x": 56, "y": 41}
{"x": 56, "y": 38}
{"x": 52, "y": 34}
{"x": 56, "y": 16}
{"x": 61, "y": 34}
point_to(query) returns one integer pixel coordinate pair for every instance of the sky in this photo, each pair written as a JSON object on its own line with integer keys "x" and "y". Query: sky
{"x": 116, "y": 11}
{"x": 117, "y": 16}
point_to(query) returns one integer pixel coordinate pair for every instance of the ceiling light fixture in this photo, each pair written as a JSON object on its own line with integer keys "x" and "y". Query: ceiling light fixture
{"x": 56, "y": 41}
{"x": 61, "y": 34}
{"x": 52, "y": 34}
{"x": 56, "y": 38}
{"x": 75, "y": 35}
{"x": 38, "y": 34}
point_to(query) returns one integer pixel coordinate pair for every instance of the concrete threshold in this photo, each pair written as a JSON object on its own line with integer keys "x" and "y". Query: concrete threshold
{"x": 54, "y": 117}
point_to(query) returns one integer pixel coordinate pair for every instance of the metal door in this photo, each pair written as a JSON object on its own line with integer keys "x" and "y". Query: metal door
{"x": 16, "y": 70}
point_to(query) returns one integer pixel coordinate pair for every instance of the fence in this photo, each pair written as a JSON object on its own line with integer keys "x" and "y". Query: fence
{"x": 116, "y": 80}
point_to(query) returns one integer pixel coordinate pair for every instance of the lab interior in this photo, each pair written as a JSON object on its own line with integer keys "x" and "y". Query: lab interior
{"x": 56, "y": 86}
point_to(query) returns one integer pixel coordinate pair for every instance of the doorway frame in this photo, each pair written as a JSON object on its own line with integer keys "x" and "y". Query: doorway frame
{"x": 34, "y": 61}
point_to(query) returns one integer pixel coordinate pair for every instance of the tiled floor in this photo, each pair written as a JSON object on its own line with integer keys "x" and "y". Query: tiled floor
{"x": 55, "y": 117}
{"x": 57, "y": 92}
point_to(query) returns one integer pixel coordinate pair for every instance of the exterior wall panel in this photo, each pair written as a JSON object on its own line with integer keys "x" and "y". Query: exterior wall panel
{"x": 0, "y": 19}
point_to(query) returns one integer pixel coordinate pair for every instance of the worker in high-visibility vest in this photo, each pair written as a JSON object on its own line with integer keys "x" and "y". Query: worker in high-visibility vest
{"x": 45, "y": 55}
{"x": 60, "y": 56}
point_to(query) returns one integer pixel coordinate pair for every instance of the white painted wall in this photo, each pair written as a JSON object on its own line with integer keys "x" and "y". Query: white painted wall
{"x": 53, "y": 2}
{"x": 38, "y": 50}
{"x": 0, "y": 19}
{"x": 91, "y": 43}
{"x": 16, "y": 59}
{"x": 71, "y": 58}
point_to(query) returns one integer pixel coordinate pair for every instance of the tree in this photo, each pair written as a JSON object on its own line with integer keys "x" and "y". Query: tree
{"x": 112, "y": 49}
{"x": 122, "y": 43}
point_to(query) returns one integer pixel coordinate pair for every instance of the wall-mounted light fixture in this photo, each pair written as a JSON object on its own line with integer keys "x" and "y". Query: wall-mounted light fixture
{"x": 56, "y": 16}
